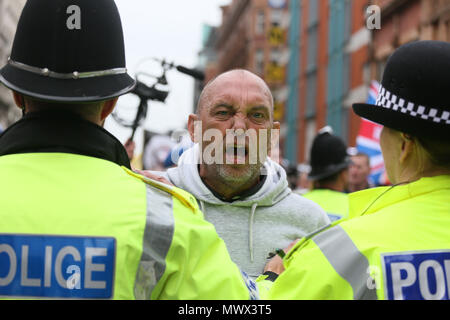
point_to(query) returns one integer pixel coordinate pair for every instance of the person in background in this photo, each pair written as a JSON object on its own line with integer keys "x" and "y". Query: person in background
{"x": 175, "y": 153}
{"x": 292, "y": 176}
{"x": 359, "y": 172}
{"x": 156, "y": 151}
{"x": 397, "y": 246}
{"x": 329, "y": 174}
{"x": 130, "y": 146}
{"x": 304, "y": 185}
{"x": 249, "y": 203}
{"x": 76, "y": 222}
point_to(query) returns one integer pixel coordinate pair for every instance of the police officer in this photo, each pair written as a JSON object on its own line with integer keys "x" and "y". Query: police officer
{"x": 329, "y": 174}
{"x": 399, "y": 245}
{"x": 75, "y": 221}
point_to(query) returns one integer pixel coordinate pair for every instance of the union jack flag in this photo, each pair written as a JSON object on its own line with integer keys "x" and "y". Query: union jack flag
{"x": 368, "y": 142}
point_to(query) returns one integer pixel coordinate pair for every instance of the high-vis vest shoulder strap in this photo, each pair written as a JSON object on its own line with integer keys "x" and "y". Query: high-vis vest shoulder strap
{"x": 183, "y": 196}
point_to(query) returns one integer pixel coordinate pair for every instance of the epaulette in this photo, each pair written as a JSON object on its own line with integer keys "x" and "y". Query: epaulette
{"x": 184, "y": 197}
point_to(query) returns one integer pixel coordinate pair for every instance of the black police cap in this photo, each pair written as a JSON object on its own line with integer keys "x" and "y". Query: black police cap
{"x": 414, "y": 93}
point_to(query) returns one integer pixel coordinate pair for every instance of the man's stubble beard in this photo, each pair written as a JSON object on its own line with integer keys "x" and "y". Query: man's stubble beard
{"x": 235, "y": 178}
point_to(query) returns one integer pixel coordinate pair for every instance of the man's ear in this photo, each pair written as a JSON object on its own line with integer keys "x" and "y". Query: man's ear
{"x": 276, "y": 125}
{"x": 407, "y": 145}
{"x": 193, "y": 118}
{"x": 19, "y": 100}
{"x": 107, "y": 108}
{"x": 274, "y": 138}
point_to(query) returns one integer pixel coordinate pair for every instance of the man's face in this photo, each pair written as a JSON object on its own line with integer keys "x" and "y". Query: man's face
{"x": 238, "y": 105}
{"x": 359, "y": 170}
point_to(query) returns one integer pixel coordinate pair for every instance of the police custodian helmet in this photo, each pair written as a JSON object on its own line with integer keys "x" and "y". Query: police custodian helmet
{"x": 328, "y": 155}
{"x": 68, "y": 51}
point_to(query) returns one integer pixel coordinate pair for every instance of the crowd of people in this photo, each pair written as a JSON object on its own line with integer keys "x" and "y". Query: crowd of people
{"x": 79, "y": 222}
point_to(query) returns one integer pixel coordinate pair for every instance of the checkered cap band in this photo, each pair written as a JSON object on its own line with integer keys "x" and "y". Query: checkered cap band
{"x": 388, "y": 100}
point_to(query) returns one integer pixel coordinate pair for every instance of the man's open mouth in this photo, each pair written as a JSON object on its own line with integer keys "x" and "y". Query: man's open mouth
{"x": 235, "y": 154}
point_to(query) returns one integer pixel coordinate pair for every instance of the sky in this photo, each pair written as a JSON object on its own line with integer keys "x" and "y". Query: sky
{"x": 171, "y": 30}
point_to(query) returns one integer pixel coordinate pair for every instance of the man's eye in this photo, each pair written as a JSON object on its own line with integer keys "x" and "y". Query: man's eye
{"x": 222, "y": 113}
{"x": 258, "y": 115}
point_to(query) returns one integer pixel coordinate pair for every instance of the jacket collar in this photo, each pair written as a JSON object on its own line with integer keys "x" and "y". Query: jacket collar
{"x": 63, "y": 132}
{"x": 372, "y": 200}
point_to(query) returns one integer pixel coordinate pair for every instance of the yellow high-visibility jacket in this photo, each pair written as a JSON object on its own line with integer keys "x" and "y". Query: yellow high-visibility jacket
{"x": 397, "y": 247}
{"x": 77, "y": 226}
{"x": 333, "y": 202}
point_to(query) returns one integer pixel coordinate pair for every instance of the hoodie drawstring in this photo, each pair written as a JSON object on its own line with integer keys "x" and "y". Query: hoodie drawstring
{"x": 252, "y": 214}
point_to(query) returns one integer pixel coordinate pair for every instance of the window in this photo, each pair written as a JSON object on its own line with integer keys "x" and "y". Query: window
{"x": 260, "y": 22}
{"x": 276, "y": 17}
{"x": 348, "y": 20}
{"x": 312, "y": 48}
{"x": 309, "y": 137}
{"x": 313, "y": 13}
{"x": 259, "y": 62}
{"x": 345, "y": 115}
{"x": 275, "y": 55}
{"x": 311, "y": 92}
{"x": 346, "y": 74}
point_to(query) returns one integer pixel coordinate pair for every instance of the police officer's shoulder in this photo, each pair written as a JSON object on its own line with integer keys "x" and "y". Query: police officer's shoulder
{"x": 184, "y": 197}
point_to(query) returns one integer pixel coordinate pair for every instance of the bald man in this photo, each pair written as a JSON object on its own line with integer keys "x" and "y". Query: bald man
{"x": 239, "y": 188}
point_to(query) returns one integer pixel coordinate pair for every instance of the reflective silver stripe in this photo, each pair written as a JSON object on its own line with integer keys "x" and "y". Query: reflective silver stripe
{"x": 73, "y": 75}
{"x": 158, "y": 235}
{"x": 347, "y": 260}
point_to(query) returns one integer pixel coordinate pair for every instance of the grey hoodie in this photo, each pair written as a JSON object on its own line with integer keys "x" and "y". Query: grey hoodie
{"x": 256, "y": 226}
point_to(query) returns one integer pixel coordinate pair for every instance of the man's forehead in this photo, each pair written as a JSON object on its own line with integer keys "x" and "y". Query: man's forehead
{"x": 360, "y": 159}
{"x": 239, "y": 78}
{"x": 235, "y": 88}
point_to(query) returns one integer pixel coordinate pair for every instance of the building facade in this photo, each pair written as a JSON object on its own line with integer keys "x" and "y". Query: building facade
{"x": 404, "y": 21}
{"x": 333, "y": 71}
{"x": 320, "y": 56}
{"x": 205, "y": 61}
{"x": 253, "y": 36}
{"x": 9, "y": 16}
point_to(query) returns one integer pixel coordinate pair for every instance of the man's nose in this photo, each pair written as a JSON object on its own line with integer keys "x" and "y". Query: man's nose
{"x": 239, "y": 122}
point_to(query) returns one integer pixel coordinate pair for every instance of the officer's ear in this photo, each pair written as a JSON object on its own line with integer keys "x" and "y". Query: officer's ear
{"x": 407, "y": 147}
{"x": 108, "y": 108}
{"x": 19, "y": 100}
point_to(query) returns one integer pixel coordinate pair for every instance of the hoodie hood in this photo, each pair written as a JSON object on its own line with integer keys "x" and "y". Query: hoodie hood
{"x": 186, "y": 176}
